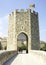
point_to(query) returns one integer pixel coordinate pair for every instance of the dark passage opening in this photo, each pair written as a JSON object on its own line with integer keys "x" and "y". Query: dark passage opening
{"x": 22, "y": 43}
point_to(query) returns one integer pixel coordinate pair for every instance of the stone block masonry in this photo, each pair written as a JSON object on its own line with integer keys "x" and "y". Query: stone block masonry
{"x": 6, "y": 55}
{"x": 23, "y": 21}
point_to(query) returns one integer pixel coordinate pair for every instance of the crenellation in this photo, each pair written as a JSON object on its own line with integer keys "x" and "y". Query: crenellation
{"x": 22, "y": 10}
{"x": 9, "y": 15}
{"x": 23, "y": 21}
{"x": 12, "y": 13}
{"x": 33, "y": 12}
{"x": 17, "y": 10}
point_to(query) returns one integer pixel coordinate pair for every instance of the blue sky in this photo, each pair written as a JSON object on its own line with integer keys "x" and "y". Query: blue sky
{"x": 7, "y": 6}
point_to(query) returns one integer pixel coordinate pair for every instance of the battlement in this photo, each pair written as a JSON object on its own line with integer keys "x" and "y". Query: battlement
{"x": 23, "y": 21}
{"x": 23, "y": 11}
{"x": 33, "y": 12}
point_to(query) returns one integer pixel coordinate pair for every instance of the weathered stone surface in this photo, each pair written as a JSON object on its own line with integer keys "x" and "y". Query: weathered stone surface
{"x": 23, "y": 22}
{"x": 32, "y": 58}
{"x": 6, "y": 55}
{"x": 3, "y": 43}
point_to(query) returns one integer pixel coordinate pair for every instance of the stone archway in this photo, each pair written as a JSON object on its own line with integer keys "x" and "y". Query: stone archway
{"x": 22, "y": 42}
{"x": 26, "y": 22}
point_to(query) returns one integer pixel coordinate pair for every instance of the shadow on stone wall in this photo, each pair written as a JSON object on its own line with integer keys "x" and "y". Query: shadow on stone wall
{"x": 6, "y": 56}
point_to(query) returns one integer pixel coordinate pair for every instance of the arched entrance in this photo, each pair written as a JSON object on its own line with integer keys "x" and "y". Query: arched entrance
{"x": 22, "y": 43}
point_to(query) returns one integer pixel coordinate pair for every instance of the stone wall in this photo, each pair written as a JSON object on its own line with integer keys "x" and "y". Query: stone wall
{"x": 3, "y": 43}
{"x": 39, "y": 53}
{"x": 19, "y": 22}
{"x": 35, "y": 42}
{"x": 5, "y": 55}
{"x": 23, "y": 22}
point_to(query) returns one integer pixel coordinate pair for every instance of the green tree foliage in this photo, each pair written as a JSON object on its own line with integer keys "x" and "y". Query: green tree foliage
{"x": 23, "y": 47}
{"x": 43, "y": 48}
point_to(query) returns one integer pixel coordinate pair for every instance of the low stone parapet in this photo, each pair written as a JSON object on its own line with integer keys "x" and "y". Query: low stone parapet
{"x": 39, "y": 53}
{"x": 5, "y": 55}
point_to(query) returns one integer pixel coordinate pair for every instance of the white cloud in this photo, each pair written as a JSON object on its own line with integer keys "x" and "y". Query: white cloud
{"x": 0, "y": 24}
{"x": 0, "y": 33}
{"x": 3, "y": 25}
{"x": 3, "y": 35}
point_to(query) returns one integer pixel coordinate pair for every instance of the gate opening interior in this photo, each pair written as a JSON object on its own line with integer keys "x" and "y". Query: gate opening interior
{"x": 22, "y": 43}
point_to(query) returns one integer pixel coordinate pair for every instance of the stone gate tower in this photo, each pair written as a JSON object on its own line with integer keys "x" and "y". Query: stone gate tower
{"x": 23, "y": 21}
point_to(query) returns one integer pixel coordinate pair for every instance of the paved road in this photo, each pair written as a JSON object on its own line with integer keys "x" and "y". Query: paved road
{"x": 26, "y": 59}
